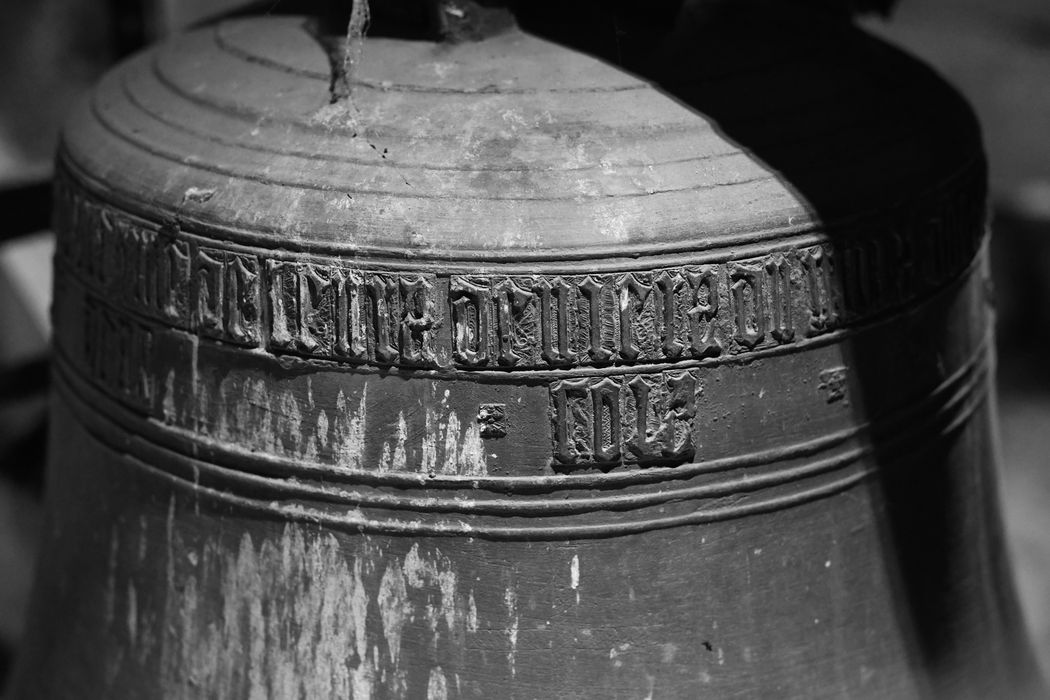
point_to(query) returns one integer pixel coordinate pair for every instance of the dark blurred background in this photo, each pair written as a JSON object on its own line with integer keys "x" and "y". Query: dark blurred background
{"x": 997, "y": 53}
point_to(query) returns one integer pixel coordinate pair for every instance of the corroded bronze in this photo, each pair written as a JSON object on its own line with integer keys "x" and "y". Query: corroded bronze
{"x": 506, "y": 374}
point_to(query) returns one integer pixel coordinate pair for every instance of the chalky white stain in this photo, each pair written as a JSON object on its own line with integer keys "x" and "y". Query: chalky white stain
{"x": 472, "y": 614}
{"x": 322, "y": 428}
{"x": 168, "y": 403}
{"x": 393, "y": 609}
{"x": 243, "y": 644}
{"x": 421, "y": 571}
{"x": 250, "y": 412}
{"x": 310, "y": 581}
{"x": 451, "y": 463}
{"x": 437, "y": 686}
{"x": 510, "y": 597}
{"x": 393, "y": 458}
{"x": 348, "y": 431}
{"x": 574, "y": 576}
{"x": 616, "y": 221}
{"x": 449, "y": 448}
{"x": 289, "y": 617}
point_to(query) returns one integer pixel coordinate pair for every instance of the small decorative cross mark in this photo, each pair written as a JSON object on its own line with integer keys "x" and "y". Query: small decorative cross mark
{"x": 833, "y": 381}
{"x": 492, "y": 417}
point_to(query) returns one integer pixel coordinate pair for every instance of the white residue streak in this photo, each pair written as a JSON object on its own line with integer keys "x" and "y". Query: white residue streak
{"x": 299, "y": 617}
{"x": 272, "y": 417}
{"x": 472, "y": 614}
{"x": 348, "y": 439}
{"x": 393, "y": 607}
{"x": 574, "y": 572}
{"x": 434, "y": 570}
{"x": 511, "y": 599}
{"x": 395, "y": 460}
{"x": 463, "y": 449}
{"x": 168, "y": 404}
{"x": 437, "y": 687}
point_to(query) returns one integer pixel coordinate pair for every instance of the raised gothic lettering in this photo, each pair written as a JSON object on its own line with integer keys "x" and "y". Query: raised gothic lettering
{"x": 173, "y": 279}
{"x": 669, "y": 286}
{"x": 633, "y": 294}
{"x": 512, "y": 302}
{"x": 585, "y": 416}
{"x": 553, "y": 297}
{"x": 823, "y": 296}
{"x": 316, "y": 312}
{"x": 470, "y": 301}
{"x": 381, "y": 291}
{"x": 320, "y": 308}
{"x": 419, "y": 318}
{"x": 703, "y": 312}
{"x": 781, "y": 323}
{"x": 592, "y": 289}
{"x": 282, "y": 293}
{"x": 242, "y": 296}
{"x": 208, "y": 290}
{"x": 645, "y": 419}
{"x": 351, "y": 335}
{"x": 117, "y": 353}
{"x": 664, "y": 408}
{"x": 748, "y": 304}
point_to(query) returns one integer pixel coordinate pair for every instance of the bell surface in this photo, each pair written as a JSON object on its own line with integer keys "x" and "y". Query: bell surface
{"x": 512, "y": 375}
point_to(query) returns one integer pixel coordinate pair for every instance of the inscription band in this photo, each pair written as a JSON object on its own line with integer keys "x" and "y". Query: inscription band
{"x": 333, "y": 309}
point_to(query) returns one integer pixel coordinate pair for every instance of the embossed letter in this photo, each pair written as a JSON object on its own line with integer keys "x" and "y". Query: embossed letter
{"x": 470, "y": 320}
{"x": 748, "y": 304}
{"x": 632, "y": 298}
{"x": 780, "y": 298}
{"x": 511, "y": 303}
{"x": 593, "y": 289}
{"x": 419, "y": 317}
{"x": 703, "y": 300}
{"x": 554, "y": 320}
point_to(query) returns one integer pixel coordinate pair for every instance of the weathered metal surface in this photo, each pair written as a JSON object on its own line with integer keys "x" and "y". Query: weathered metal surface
{"x": 510, "y": 376}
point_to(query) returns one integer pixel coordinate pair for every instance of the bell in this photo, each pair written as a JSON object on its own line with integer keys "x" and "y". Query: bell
{"x": 551, "y": 359}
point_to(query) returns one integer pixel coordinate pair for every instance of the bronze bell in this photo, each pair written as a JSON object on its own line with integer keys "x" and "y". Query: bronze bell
{"x": 535, "y": 363}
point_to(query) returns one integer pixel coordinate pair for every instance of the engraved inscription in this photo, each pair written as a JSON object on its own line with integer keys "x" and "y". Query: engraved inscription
{"x": 604, "y": 422}
{"x": 470, "y": 300}
{"x": 553, "y": 296}
{"x": 418, "y": 320}
{"x": 117, "y": 353}
{"x": 703, "y": 312}
{"x": 823, "y": 296}
{"x": 324, "y": 308}
{"x": 749, "y": 307}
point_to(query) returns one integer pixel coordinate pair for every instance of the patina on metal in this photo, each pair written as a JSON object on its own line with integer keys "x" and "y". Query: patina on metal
{"x": 511, "y": 373}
